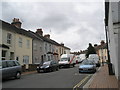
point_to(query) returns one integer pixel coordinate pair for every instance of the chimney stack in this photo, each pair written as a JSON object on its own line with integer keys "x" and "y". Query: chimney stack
{"x": 39, "y": 31}
{"x": 47, "y": 36}
{"x": 62, "y": 44}
{"x": 102, "y": 42}
{"x": 16, "y": 23}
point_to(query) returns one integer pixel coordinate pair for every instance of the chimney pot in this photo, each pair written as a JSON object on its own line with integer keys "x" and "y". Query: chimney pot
{"x": 39, "y": 31}
{"x": 47, "y": 36}
{"x": 16, "y": 23}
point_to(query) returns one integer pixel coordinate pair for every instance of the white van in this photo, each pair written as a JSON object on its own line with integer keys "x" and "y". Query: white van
{"x": 82, "y": 57}
{"x": 67, "y": 60}
{"x": 78, "y": 59}
{"x": 95, "y": 58}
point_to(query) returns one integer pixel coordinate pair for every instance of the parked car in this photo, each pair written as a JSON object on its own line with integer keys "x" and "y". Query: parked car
{"x": 10, "y": 68}
{"x": 87, "y": 66}
{"x": 48, "y": 66}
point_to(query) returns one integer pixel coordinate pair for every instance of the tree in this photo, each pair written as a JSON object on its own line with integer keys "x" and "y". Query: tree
{"x": 90, "y": 50}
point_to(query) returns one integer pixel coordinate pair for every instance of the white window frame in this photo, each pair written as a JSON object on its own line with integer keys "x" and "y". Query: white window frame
{"x": 20, "y": 42}
{"x": 25, "y": 59}
{"x": 9, "y": 38}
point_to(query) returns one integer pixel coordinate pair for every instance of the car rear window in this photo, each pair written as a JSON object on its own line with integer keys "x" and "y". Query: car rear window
{"x": 11, "y": 63}
{"x": 17, "y": 63}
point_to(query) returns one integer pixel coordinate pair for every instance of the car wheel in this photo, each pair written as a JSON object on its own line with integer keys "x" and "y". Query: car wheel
{"x": 57, "y": 68}
{"x": 18, "y": 75}
{"x": 38, "y": 71}
{"x": 94, "y": 71}
{"x": 51, "y": 70}
{"x": 73, "y": 65}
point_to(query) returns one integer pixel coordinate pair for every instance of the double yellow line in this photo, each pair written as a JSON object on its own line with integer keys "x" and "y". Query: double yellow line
{"x": 81, "y": 82}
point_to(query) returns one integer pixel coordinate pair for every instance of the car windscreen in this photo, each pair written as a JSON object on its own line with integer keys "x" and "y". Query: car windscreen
{"x": 64, "y": 59}
{"x": 46, "y": 63}
{"x": 87, "y": 63}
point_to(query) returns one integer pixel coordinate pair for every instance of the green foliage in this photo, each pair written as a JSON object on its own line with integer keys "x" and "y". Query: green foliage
{"x": 90, "y": 50}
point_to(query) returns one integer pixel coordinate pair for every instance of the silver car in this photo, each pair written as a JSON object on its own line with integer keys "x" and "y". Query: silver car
{"x": 87, "y": 66}
{"x": 10, "y": 68}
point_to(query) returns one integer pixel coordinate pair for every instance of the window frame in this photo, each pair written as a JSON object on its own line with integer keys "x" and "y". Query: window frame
{"x": 20, "y": 41}
{"x": 9, "y": 38}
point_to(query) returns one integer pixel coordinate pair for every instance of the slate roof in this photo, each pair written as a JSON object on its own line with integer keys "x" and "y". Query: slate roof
{"x": 48, "y": 40}
{"x": 12, "y": 28}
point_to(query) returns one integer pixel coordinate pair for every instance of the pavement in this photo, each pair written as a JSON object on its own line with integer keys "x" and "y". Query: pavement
{"x": 28, "y": 72}
{"x": 102, "y": 79}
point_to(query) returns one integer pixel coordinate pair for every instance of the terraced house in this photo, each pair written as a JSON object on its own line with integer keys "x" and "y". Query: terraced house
{"x": 28, "y": 47}
{"x": 49, "y": 47}
{"x": 16, "y": 43}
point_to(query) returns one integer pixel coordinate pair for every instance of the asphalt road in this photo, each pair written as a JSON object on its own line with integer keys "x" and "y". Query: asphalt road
{"x": 64, "y": 78}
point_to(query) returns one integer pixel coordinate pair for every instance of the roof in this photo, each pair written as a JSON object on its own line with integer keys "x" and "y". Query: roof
{"x": 66, "y": 47}
{"x": 34, "y": 35}
{"x": 29, "y": 33}
{"x": 104, "y": 46}
{"x": 14, "y": 29}
{"x": 47, "y": 40}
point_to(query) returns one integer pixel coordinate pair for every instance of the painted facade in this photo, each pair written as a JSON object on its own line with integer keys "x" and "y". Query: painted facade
{"x": 112, "y": 25}
{"x": 8, "y": 46}
{"x": 16, "y": 44}
{"x": 29, "y": 48}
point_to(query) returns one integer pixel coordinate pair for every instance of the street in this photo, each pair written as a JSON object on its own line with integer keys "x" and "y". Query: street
{"x": 64, "y": 78}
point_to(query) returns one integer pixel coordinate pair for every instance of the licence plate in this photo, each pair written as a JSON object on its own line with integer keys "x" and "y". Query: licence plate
{"x": 85, "y": 69}
{"x": 41, "y": 70}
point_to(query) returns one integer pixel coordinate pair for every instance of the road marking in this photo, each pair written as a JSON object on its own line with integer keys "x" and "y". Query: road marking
{"x": 81, "y": 82}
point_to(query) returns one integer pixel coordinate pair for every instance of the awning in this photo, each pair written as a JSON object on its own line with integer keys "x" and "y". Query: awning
{"x": 4, "y": 46}
{"x": 49, "y": 53}
{"x": 55, "y": 53}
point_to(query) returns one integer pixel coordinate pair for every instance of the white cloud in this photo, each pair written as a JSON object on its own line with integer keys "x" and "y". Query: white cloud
{"x": 73, "y": 23}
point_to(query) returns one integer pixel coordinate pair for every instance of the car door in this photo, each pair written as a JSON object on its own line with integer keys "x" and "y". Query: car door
{"x": 54, "y": 65}
{"x": 5, "y": 72}
{"x": 11, "y": 68}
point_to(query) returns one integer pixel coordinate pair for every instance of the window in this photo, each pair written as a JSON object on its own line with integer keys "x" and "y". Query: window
{"x": 26, "y": 59}
{"x": 28, "y": 43}
{"x": 3, "y": 55}
{"x": 9, "y": 38}
{"x": 20, "y": 42}
{"x": 41, "y": 49}
{"x": 34, "y": 46}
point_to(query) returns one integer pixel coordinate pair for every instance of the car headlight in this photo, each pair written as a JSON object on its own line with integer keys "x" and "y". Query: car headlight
{"x": 37, "y": 66}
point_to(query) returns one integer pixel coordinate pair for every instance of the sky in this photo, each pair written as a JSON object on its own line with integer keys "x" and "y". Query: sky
{"x": 74, "y": 23}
